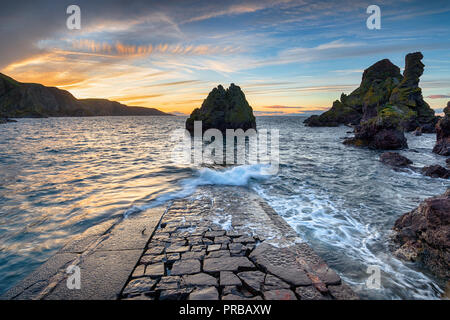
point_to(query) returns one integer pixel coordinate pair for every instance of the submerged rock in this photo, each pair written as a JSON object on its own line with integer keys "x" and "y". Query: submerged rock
{"x": 395, "y": 160}
{"x": 424, "y": 234}
{"x": 436, "y": 171}
{"x": 223, "y": 109}
{"x": 442, "y": 146}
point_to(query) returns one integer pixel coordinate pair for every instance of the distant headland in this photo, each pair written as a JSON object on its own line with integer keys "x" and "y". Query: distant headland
{"x": 32, "y": 100}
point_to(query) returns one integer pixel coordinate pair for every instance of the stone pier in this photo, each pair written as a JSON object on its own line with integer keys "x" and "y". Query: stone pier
{"x": 220, "y": 243}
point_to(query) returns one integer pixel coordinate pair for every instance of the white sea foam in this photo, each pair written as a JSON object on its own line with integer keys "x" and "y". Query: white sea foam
{"x": 235, "y": 176}
{"x": 333, "y": 225}
{"x": 223, "y": 221}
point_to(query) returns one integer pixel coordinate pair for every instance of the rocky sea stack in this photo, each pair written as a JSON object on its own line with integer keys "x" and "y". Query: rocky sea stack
{"x": 442, "y": 146}
{"x": 223, "y": 109}
{"x": 384, "y": 105}
{"x": 424, "y": 234}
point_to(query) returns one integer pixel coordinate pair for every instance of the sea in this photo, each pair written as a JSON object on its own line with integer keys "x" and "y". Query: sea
{"x": 60, "y": 176}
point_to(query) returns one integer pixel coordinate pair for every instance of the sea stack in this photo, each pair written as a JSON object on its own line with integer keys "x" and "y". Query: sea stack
{"x": 223, "y": 109}
{"x": 408, "y": 96}
{"x": 385, "y": 105}
{"x": 377, "y": 83}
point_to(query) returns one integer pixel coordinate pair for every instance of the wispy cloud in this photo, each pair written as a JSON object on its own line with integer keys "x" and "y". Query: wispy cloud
{"x": 236, "y": 9}
{"x": 418, "y": 13}
{"x": 121, "y": 49}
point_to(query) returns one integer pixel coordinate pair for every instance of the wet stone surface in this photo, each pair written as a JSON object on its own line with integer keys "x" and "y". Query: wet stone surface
{"x": 204, "y": 250}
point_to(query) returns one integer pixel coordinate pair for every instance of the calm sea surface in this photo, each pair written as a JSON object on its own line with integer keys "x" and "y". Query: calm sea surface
{"x": 60, "y": 176}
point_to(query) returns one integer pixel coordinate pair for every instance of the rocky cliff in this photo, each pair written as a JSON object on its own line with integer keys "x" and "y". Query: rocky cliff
{"x": 19, "y": 100}
{"x": 424, "y": 234}
{"x": 223, "y": 109}
{"x": 384, "y": 105}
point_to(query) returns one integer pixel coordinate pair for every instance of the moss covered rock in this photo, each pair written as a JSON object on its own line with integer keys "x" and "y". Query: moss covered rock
{"x": 381, "y": 132}
{"x": 338, "y": 114}
{"x": 384, "y": 105}
{"x": 223, "y": 109}
{"x": 377, "y": 83}
{"x": 408, "y": 94}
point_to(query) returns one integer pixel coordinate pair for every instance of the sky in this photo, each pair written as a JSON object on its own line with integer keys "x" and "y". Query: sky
{"x": 289, "y": 57}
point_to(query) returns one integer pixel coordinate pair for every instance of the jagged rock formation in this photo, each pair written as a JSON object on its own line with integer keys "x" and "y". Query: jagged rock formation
{"x": 18, "y": 100}
{"x": 383, "y": 106}
{"x": 424, "y": 234}
{"x": 377, "y": 83}
{"x": 442, "y": 146}
{"x": 408, "y": 96}
{"x": 223, "y": 109}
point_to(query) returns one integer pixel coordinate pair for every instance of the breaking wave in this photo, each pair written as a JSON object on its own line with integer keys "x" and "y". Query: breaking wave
{"x": 235, "y": 176}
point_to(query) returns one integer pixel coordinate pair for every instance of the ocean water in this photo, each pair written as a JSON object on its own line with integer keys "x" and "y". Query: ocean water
{"x": 60, "y": 176}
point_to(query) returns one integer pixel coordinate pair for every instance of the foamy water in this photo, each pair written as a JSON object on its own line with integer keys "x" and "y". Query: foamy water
{"x": 235, "y": 176}
{"x": 58, "y": 177}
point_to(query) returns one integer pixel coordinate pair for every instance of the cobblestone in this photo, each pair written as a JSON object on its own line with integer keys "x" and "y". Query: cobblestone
{"x": 192, "y": 256}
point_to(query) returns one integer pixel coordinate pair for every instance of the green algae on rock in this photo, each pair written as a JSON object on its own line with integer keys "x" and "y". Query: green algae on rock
{"x": 383, "y": 86}
{"x": 381, "y": 132}
{"x": 377, "y": 83}
{"x": 384, "y": 106}
{"x": 408, "y": 94}
{"x": 223, "y": 109}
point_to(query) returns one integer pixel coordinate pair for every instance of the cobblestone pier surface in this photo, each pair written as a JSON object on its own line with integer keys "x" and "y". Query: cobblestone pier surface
{"x": 221, "y": 243}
